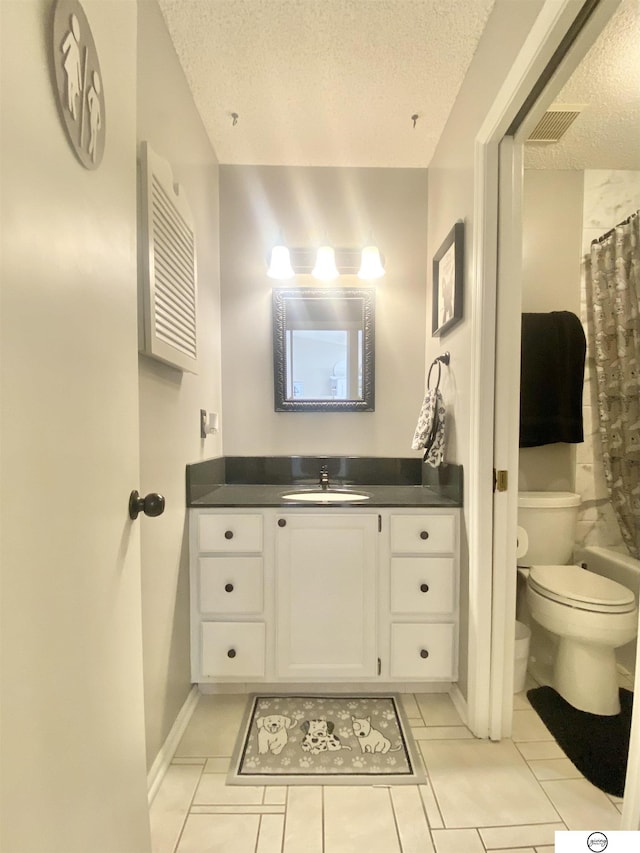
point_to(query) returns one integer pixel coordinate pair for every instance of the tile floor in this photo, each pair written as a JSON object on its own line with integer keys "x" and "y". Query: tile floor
{"x": 480, "y": 796}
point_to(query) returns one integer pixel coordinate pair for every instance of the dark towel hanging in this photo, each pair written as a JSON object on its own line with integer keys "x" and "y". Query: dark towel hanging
{"x": 551, "y": 379}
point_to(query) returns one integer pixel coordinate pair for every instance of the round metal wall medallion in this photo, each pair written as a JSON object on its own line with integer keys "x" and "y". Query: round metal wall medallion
{"x": 79, "y": 83}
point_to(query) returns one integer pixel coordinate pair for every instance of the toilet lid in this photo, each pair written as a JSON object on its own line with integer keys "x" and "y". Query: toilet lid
{"x": 580, "y": 588}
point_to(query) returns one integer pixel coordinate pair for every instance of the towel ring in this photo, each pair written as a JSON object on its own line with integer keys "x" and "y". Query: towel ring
{"x": 441, "y": 359}
{"x": 433, "y": 364}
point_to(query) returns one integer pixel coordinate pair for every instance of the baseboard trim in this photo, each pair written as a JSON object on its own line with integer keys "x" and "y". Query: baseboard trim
{"x": 165, "y": 756}
{"x": 459, "y": 703}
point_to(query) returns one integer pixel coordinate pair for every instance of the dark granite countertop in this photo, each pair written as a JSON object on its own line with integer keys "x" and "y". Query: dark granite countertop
{"x": 254, "y": 495}
{"x": 262, "y": 482}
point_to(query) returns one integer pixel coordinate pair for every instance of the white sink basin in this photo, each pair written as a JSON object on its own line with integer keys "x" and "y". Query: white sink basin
{"x": 325, "y": 496}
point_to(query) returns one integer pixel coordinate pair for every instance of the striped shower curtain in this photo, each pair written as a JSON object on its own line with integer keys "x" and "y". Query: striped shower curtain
{"x": 612, "y": 275}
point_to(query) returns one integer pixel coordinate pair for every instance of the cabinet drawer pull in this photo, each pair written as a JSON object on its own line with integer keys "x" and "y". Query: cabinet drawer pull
{"x": 231, "y": 653}
{"x": 424, "y": 653}
{"x": 228, "y": 587}
{"x": 282, "y": 522}
{"x": 228, "y": 534}
{"x": 424, "y": 587}
{"x": 424, "y": 534}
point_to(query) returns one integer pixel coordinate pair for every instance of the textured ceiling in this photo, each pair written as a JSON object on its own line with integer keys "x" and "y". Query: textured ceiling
{"x": 325, "y": 82}
{"x": 606, "y": 135}
{"x": 336, "y": 82}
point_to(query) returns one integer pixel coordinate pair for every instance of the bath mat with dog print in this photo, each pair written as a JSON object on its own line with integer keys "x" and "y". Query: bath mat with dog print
{"x": 325, "y": 740}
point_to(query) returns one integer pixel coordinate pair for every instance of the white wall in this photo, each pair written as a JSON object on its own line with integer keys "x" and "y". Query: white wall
{"x": 551, "y": 239}
{"x": 170, "y": 401}
{"x": 451, "y": 197}
{"x": 73, "y": 768}
{"x": 256, "y": 203}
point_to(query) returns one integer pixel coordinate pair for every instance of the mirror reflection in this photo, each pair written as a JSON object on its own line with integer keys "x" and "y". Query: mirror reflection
{"x": 323, "y": 349}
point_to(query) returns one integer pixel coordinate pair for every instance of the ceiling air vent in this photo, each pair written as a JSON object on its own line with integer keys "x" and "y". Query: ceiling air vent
{"x": 555, "y": 122}
{"x": 168, "y": 294}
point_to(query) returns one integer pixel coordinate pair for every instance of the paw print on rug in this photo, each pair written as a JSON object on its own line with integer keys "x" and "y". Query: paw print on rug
{"x": 345, "y": 733}
{"x": 352, "y": 705}
{"x": 388, "y": 715}
{"x": 358, "y": 762}
{"x": 338, "y": 761}
{"x": 286, "y": 762}
{"x": 307, "y": 705}
{"x": 251, "y": 763}
{"x": 304, "y": 762}
{"x": 343, "y": 715}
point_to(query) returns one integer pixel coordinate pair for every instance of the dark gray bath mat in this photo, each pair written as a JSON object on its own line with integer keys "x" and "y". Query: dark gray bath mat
{"x": 598, "y": 746}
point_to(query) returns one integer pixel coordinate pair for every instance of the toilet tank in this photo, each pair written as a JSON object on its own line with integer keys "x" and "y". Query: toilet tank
{"x": 549, "y": 519}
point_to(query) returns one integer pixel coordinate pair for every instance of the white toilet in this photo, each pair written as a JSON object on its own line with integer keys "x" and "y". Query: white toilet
{"x": 590, "y": 615}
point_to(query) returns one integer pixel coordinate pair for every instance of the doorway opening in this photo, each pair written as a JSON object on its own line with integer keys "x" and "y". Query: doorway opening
{"x": 502, "y": 153}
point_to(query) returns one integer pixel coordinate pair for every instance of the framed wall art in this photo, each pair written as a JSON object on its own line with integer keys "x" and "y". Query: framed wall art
{"x": 79, "y": 84}
{"x": 448, "y": 269}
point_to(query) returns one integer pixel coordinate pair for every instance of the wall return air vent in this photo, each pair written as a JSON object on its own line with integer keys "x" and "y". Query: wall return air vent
{"x": 555, "y": 123}
{"x": 167, "y": 312}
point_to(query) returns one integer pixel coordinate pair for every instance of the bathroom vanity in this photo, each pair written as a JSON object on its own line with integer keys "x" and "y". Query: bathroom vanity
{"x": 326, "y": 590}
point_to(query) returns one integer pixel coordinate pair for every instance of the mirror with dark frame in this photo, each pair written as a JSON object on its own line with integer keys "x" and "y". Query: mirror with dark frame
{"x": 323, "y": 349}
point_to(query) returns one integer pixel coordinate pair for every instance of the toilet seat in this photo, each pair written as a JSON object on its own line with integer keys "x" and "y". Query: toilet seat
{"x": 578, "y": 588}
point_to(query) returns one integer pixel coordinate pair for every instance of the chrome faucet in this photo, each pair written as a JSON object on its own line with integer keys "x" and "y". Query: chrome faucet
{"x": 324, "y": 477}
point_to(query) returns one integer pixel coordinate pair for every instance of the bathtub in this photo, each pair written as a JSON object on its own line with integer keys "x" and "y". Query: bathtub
{"x": 623, "y": 569}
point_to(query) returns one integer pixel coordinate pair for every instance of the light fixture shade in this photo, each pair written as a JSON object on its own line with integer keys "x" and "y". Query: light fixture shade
{"x": 325, "y": 268}
{"x": 280, "y": 264}
{"x": 370, "y": 264}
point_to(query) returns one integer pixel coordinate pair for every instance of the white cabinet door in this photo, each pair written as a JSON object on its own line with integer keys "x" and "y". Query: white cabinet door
{"x": 430, "y": 533}
{"x": 229, "y": 533}
{"x": 424, "y": 585}
{"x": 230, "y": 585}
{"x": 232, "y": 649}
{"x": 423, "y": 650}
{"x": 326, "y": 595}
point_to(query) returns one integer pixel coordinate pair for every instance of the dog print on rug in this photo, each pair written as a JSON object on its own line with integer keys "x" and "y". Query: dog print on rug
{"x": 272, "y": 733}
{"x": 370, "y": 739}
{"x": 319, "y": 737}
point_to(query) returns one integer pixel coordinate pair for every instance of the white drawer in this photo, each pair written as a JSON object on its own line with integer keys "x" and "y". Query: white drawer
{"x": 423, "y": 534}
{"x": 422, "y": 585}
{"x": 230, "y": 585}
{"x": 422, "y": 651}
{"x": 232, "y": 649}
{"x": 230, "y": 533}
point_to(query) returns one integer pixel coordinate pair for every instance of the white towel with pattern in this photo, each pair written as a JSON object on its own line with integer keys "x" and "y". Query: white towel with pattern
{"x": 430, "y": 430}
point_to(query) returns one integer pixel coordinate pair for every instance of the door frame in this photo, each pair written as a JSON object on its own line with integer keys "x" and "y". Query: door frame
{"x": 497, "y": 260}
{"x": 492, "y": 613}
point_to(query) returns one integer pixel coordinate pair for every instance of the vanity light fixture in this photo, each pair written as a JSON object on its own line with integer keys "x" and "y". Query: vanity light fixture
{"x": 280, "y": 263}
{"x": 325, "y": 264}
{"x": 325, "y": 268}
{"x": 370, "y": 264}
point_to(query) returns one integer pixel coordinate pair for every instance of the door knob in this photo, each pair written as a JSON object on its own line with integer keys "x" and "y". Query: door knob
{"x": 152, "y": 504}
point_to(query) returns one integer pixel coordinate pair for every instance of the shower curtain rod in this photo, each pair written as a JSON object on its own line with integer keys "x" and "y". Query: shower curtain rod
{"x": 612, "y": 230}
